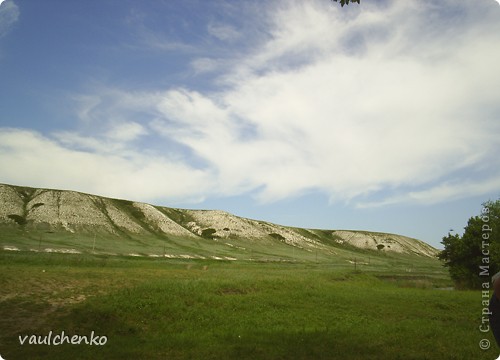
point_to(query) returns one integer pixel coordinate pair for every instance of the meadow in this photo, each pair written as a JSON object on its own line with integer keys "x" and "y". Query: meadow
{"x": 383, "y": 308}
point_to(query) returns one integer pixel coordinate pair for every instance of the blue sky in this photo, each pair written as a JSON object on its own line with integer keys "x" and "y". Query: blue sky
{"x": 383, "y": 116}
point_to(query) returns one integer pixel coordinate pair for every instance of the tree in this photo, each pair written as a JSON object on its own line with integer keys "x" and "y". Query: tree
{"x": 475, "y": 256}
{"x": 346, "y": 2}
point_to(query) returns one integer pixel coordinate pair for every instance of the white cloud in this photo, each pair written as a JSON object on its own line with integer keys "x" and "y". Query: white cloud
{"x": 204, "y": 65}
{"x": 442, "y": 192}
{"x": 401, "y": 104}
{"x": 117, "y": 137}
{"x": 398, "y": 103}
{"x": 49, "y": 163}
{"x": 223, "y": 32}
{"x": 126, "y": 131}
{"x": 111, "y": 105}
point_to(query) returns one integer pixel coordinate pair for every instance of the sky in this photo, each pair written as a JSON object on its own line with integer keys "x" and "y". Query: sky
{"x": 383, "y": 116}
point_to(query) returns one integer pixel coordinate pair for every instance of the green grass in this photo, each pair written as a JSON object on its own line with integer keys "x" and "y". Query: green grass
{"x": 173, "y": 309}
{"x": 150, "y": 245}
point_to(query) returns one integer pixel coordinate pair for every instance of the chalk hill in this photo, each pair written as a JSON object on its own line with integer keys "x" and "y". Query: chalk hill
{"x": 68, "y": 221}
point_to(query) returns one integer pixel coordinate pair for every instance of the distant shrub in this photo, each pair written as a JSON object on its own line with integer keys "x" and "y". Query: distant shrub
{"x": 20, "y": 220}
{"x": 380, "y": 246}
{"x": 133, "y": 210}
{"x": 37, "y": 205}
{"x": 277, "y": 236}
{"x": 137, "y": 213}
{"x": 208, "y": 233}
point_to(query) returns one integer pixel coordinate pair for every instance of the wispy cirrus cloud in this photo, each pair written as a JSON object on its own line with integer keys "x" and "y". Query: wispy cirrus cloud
{"x": 223, "y": 32}
{"x": 9, "y": 14}
{"x": 444, "y": 191}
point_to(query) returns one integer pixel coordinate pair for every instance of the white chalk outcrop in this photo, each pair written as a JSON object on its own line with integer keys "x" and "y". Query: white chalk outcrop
{"x": 78, "y": 212}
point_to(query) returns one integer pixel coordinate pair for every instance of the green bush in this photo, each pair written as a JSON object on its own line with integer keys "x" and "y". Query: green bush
{"x": 208, "y": 233}
{"x": 20, "y": 220}
{"x": 277, "y": 236}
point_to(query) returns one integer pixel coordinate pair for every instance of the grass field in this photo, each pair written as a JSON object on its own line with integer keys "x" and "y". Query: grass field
{"x": 200, "y": 309}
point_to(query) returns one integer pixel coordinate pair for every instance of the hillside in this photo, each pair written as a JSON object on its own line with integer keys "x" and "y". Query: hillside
{"x": 34, "y": 219}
